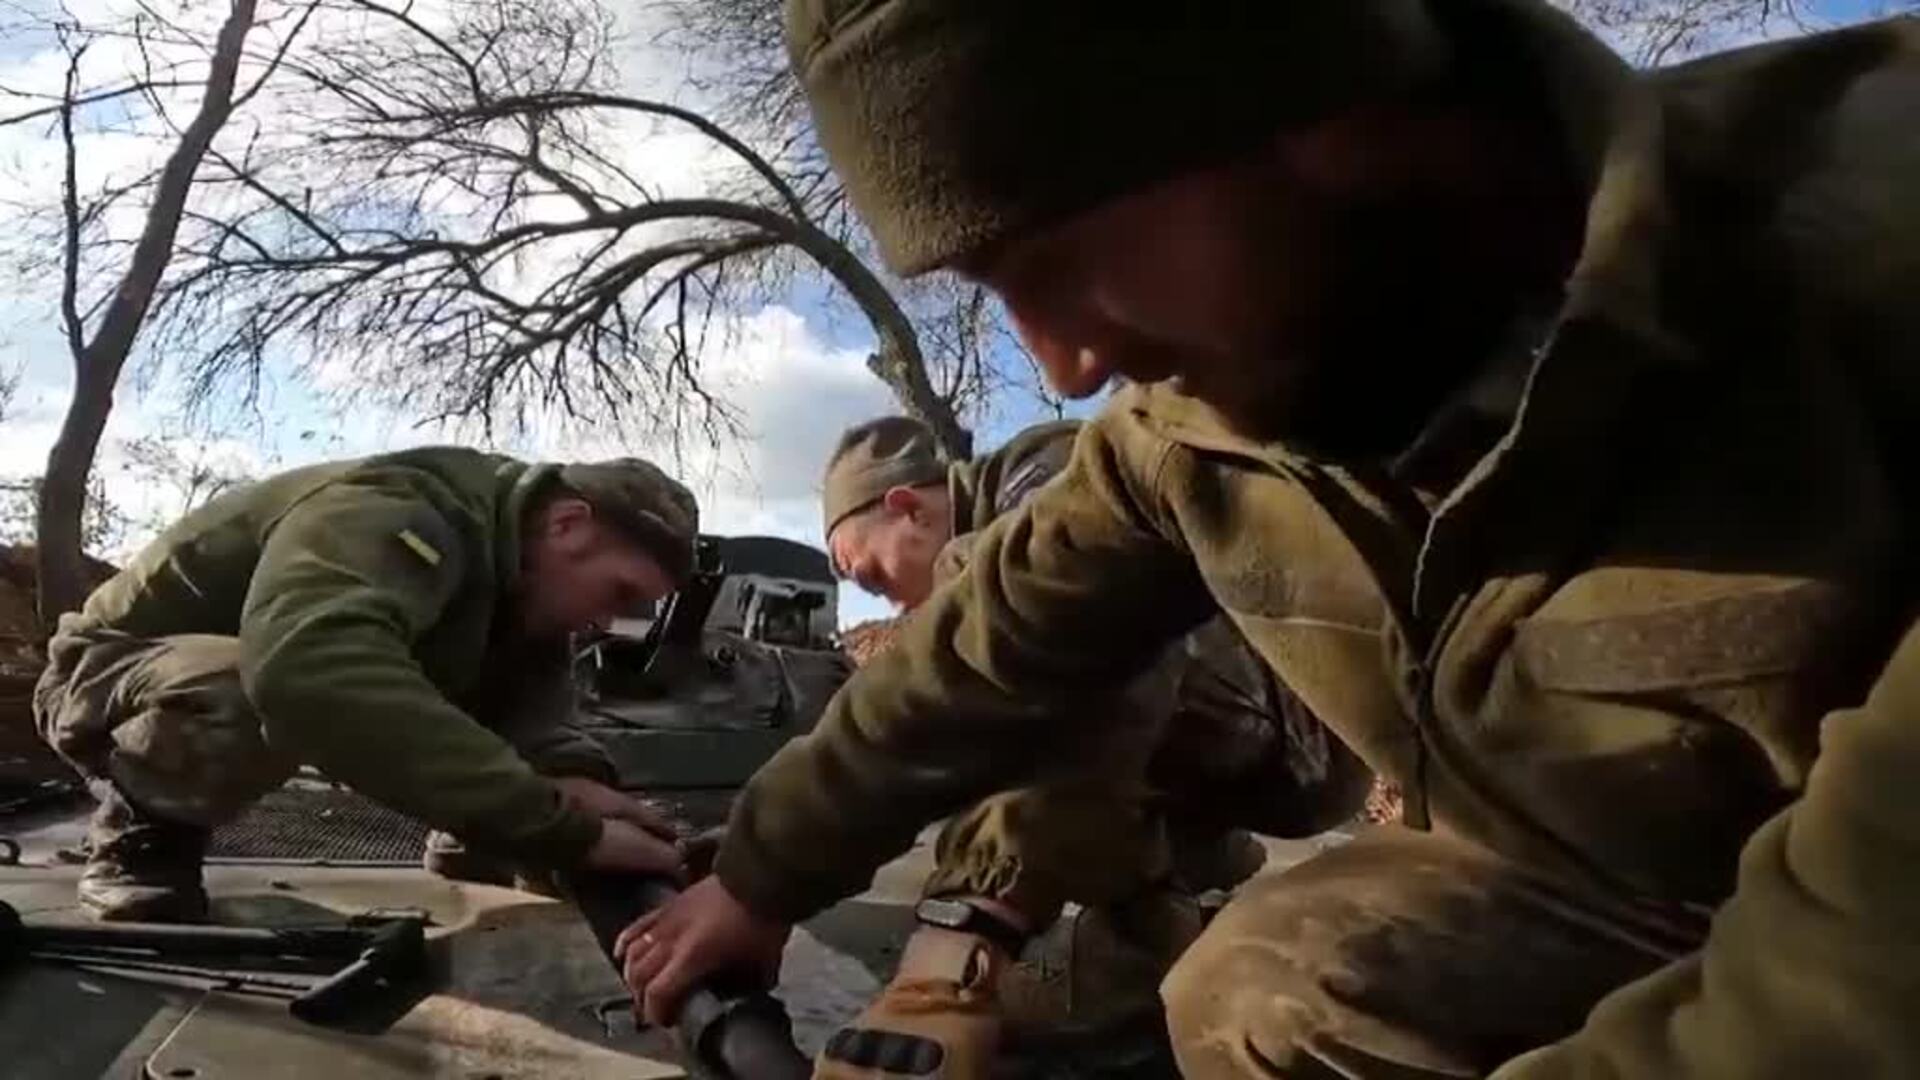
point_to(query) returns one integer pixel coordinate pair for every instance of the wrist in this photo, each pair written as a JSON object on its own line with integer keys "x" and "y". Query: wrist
{"x": 980, "y": 917}
{"x": 1003, "y": 911}
{"x": 576, "y": 838}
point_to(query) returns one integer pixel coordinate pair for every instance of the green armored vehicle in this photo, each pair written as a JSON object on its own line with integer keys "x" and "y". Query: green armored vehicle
{"x": 690, "y": 703}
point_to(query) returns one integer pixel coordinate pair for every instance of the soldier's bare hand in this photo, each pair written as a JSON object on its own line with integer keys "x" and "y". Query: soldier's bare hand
{"x": 628, "y": 848}
{"x": 703, "y": 931}
{"x": 602, "y": 801}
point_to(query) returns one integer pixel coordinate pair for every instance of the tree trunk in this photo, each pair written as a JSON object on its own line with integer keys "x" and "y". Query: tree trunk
{"x": 63, "y": 495}
{"x": 97, "y": 363}
{"x": 898, "y": 362}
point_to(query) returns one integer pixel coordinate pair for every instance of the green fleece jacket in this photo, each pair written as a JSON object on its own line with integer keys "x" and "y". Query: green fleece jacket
{"x": 1608, "y": 651}
{"x": 369, "y": 598}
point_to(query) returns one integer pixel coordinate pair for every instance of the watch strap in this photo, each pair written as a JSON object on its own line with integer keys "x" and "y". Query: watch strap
{"x": 969, "y": 918}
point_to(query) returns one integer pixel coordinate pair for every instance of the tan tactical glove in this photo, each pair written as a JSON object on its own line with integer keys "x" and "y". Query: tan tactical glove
{"x": 937, "y": 1020}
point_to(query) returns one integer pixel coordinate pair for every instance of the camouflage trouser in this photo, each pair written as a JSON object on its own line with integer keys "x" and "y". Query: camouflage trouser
{"x": 1099, "y": 834}
{"x": 1405, "y": 955}
{"x": 163, "y": 720}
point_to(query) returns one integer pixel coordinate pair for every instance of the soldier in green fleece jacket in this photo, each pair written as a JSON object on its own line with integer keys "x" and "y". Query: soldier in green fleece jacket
{"x": 1540, "y": 422}
{"x": 399, "y": 622}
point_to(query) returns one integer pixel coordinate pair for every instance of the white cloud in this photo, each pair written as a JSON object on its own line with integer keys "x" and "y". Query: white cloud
{"x": 794, "y": 394}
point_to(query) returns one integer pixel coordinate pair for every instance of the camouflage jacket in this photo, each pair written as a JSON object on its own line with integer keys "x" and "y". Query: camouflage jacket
{"x": 1608, "y": 651}
{"x": 995, "y": 483}
{"x": 368, "y": 597}
{"x": 991, "y": 484}
{"x": 1237, "y": 750}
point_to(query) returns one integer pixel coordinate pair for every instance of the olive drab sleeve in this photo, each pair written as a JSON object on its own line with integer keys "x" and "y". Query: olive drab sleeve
{"x": 534, "y": 711}
{"x": 347, "y": 582}
{"x": 1813, "y": 966}
{"x": 1072, "y": 594}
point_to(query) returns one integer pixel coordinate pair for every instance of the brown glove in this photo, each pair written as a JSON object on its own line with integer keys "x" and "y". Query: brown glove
{"x": 939, "y": 1018}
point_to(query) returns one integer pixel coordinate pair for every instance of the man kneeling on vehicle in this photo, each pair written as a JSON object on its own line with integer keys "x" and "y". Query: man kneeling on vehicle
{"x": 1177, "y": 763}
{"x": 400, "y": 623}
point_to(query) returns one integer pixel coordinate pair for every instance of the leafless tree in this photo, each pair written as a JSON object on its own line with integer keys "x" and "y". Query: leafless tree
{"x": 446, "y": 216}
{"x": 104, "y": 526}
{"x": 9, "y": 385}
{"x": 1655, "y": 32}
{"x": 189, "y": 473}
{"x": 742, "y": 76}
{"x": 174, "y": 476}
{"x": 101, "y": 333}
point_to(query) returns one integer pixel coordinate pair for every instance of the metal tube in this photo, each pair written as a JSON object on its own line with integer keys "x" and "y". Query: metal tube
{"x": 730, "y": 1034}
{"x": 201, "y": 940}
{"x": 224, "y": 978}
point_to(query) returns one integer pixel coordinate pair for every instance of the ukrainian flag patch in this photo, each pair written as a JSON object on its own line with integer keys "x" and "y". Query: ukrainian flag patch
{"x": 420, "y": 547}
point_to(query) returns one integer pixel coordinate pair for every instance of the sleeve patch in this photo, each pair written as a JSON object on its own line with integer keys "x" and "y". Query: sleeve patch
{"x": 427, "y": 552}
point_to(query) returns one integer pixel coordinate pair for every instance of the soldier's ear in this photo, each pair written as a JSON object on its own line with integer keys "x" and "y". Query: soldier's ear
{"x": 565, "y": 516}
{"x": 902, "y": 502}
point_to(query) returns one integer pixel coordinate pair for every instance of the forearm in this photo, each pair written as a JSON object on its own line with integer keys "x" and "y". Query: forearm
{"x": 429, "y": 761}
{"x": 562, "y": 750}
{"x": 341, "y": 691}
{"x": 827, "y": 810}
{"x": 1060, "y": 603}
{"x": 540, "y": 726}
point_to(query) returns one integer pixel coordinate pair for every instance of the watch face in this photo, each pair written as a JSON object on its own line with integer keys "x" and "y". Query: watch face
{"x": 951, "y": 914}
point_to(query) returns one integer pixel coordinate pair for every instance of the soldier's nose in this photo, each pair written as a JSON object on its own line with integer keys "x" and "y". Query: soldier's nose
{"x": 1084, "y": 375}
{"x": 1066, "y": 347}
{"x": 1073, "y": 368}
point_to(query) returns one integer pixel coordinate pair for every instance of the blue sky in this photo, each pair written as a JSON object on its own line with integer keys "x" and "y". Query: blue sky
{"x": 800, "y": 376}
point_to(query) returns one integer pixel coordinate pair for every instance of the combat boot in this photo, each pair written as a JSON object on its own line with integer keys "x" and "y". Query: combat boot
{"x": 141, "y": 868}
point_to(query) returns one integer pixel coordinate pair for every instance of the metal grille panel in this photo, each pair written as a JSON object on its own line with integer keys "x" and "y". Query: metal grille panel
{"x": 331, "y": 824}
{"x": 335, "y": 825}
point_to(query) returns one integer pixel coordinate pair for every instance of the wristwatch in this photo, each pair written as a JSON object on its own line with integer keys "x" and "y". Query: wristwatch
{"x": 969, "y": 918}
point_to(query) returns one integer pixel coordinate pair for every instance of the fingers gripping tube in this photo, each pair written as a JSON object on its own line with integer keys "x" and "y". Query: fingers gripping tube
{"x": 730, "y": 1033}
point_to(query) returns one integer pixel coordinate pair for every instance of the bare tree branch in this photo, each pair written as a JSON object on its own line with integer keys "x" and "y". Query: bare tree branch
{"x": 98, "y": 362}
{"x": 70, "y": 211}
{"x": 460, "y": 229}
{"x": 81, "y": 101}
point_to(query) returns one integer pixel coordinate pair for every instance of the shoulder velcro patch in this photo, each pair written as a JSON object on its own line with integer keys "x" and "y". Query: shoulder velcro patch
{"x": 427, "y": 552}
{"x": 1025, "y": 479}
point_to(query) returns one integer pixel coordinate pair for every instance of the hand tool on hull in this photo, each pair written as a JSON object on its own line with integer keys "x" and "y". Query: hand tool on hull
{"x": 375, "y": 953}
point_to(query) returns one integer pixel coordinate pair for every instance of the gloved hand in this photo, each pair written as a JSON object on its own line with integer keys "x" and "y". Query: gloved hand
{"x": 939, "y": 1018}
